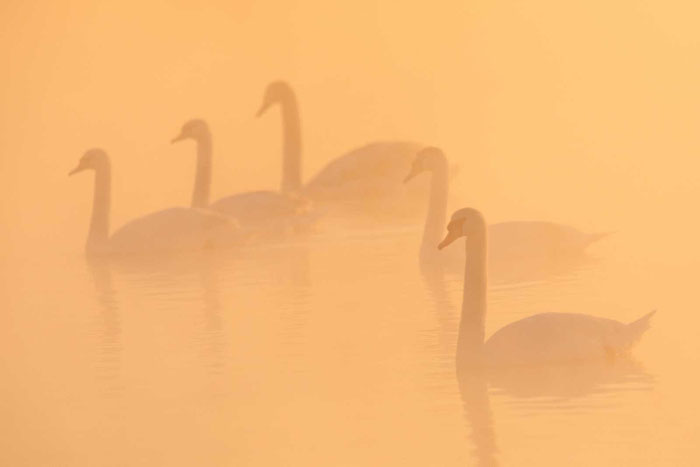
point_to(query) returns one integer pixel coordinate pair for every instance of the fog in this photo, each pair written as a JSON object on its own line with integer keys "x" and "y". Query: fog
{"x": 594, "y": 103}
{"x": 578, "y": 113}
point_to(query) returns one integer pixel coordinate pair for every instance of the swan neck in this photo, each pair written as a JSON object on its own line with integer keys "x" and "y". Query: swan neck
{"x": 471, "y": 327}
{"x": 291, "y": 161}
{"x": 101, "y": 205}
{"x": 202, "y": 180}
{"x": 437, "y": 210}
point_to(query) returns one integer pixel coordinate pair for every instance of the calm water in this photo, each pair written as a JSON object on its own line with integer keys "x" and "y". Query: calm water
{"x": 336, "y": 351}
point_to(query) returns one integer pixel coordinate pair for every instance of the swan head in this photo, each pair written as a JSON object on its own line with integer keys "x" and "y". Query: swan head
{"x": 276, "y": 92}
{"x": 464, "y": 223}
{"x": 93, "y": 159}
{"x": 426, "y": 160}
{"x": 195, "y": 129}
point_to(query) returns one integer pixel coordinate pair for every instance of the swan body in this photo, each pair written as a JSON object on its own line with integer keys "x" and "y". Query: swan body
{"x": 562, "y": 337}
{"x": 258, "y": 208}
{"x": 517, "y": 239}
{"x": 171, "y": 230}
{"x": 162, "y": 231}
{"x": 255, "y": 209}
{"x": 508, "y": 241}
{"x": 374, "y": 170}
{"x": 540, "y": 339}
{"x": 263, "y": 202}
{"x": 365, "y": 182}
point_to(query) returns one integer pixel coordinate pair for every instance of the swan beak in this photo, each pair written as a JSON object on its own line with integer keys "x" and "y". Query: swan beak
{"x": 410, "y": 176}
{"x": 451, "y": 237}
{"x": 177, "y": 138}
{"x": 76, "y": 170}
{"x": 263, "y": 108}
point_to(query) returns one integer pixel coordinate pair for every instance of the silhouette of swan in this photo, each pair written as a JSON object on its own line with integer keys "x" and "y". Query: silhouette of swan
{"x": 529, "y": 387}
{"x": 365, "y": 182}
{"x": 539, "y": 339}
{"x": 254, "y": 209}
{"x": 166, "y": 230}
{"x": 508, "y": 240}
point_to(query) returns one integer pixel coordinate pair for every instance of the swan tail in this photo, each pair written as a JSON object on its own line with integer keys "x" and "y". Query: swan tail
{"x": 637, "y": 328}
{"x": 593, "y": 238}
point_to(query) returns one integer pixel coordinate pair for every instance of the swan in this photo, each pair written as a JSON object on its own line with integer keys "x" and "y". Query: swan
{"x": 166, "y": 230}
{"x": 542, "y": 386}
{"x": 365, "y": 182}
{"x": 256, "y": 209}
{"x": 544, "y": 338}
{"x": 508, "y": 241}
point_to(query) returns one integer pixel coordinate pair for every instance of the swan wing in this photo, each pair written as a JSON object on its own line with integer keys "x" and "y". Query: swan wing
{"x": 367, "y": 183}
{"x": 519, "y": 241}
{"x": 369, "y": 170}
{"x": 536, "y": 238}
{"x": 262, "y": 206}
{"x": 172, "y": 229}
{"x": 557, "y": 337}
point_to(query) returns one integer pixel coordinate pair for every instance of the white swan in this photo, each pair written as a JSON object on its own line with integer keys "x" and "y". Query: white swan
{"x": 508, "y": 241}
{"x": 365, "y": 182}
{"x": 539, "y": 339}
{"x": 271, "y": 210}
{"x": 166, "y": 230}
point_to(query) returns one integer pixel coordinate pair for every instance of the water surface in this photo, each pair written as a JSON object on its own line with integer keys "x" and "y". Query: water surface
{"x": 337, "y": 351}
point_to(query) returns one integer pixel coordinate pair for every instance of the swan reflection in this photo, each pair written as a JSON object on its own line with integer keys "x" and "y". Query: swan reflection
{"x": 109, "y": 326}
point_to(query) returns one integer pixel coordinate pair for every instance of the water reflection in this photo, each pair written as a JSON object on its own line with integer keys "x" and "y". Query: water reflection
{"x": 283, "y": 269}
{"x": 211, "y": 326}
{"x": 109, "y": 327}
{"x": 472, "y": 381}
{"x": 473, "y": 390}
{"x": 109, "y": 408}
{"x": 436, "y": 288}
{"x": 569, "y": 386}
{"x": 219, "y": 285}
{"x": 293, "y": 297}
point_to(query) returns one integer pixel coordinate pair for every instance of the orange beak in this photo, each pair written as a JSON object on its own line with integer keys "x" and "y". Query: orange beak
{"x": 263, "y": 108}
{"x": 413, "y": 173}
{"x": 79, "y": 168}
{"x": 409, "y": 177}
{"x": 451, "y": 237}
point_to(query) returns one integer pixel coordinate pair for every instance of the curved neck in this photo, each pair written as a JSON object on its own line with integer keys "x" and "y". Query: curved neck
{"x": 437, "y": 207}
{"x": 291, "y": 127}
{"x": 471, "y": 326}
{"x": 101, "y": 204}
{"x": 202, "y": 179}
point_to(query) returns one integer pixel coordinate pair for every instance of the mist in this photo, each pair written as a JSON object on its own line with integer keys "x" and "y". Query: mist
{"x": 582, "y": 114}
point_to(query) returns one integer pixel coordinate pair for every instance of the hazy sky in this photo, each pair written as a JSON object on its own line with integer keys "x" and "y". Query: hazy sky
{"x": 583, "y": 112}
